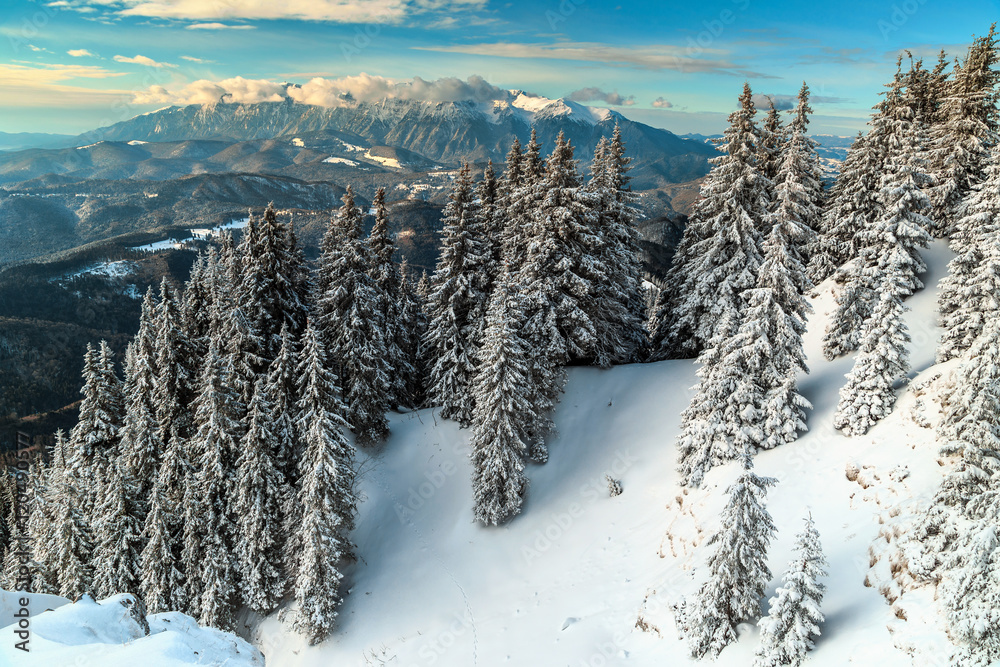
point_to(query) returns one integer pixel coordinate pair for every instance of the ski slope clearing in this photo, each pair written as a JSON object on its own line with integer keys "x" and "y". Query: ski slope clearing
{"x": 583, "y": 578}
{"x": 111, "y": 634}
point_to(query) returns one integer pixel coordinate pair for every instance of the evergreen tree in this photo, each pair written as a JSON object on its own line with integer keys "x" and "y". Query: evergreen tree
{"x": 325, "y": 504}
{"x": 967, "y": 129}
{"x": 349, "y": 315}
{"x": 787, "y": 632}
{"x": 503, "y": 407}
{"x": 282, "y": 394}
{"x": 738, "y": 572}
{"x": 457, "y": 303}
{"x": 388, "y": 280}
{"x": 723, "y": 257}
{"x": 868, "y": 395}
{"x": 619, "y": 303}
{"x": 118, "y": 532}
{"x": 41, "y": 527}
{"x": 259, "y": 495}
{"x": 171, "y": 392}
{"x": 890, "y": 255}
{"x": 412, "y": 323}
{"x": 781, "y": 309}
{"x": 799, "y": 182}
{"x": 853, "y": 202}
{"x": 772, "y": 142}
{"x": 140, "y": 444}
{"x": 215, "y": 448}
{"x": 970, "y": 293}
{"x": 71, "y": 552}
{"x": 161, "y": 581}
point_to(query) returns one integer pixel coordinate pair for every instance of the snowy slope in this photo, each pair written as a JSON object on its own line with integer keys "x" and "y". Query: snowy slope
{"x": 581, "y": 578}
{"x": 105, "y": 633}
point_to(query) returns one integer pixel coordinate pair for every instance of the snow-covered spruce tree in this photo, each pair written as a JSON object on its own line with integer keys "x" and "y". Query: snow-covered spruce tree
{"x": 349, "y": 314}
{"x": 282, "y": 394}
{"x": 501, "y": 388}
{"x": 799, "y": 182}
{"x": 772, "y": 142}
{"x": 41, "y": 534}
{"x": 325, "y": 504}
{"x": 174, "y": 375}
{"x": 852, "y": 203}
{"x": 967, "y": 128}
{"x": 890, "y": 257}
{"x": 197, "y": 306}
{"x": 561, "y": 269}
{"x": 738, "y": 572}
{"x": 387, "y": 278}
{"x": 117, "y": 528}
{"x": 161, "y": 583}
{"x": 493, "y": 217}
{"x": 618, "y": 306}
{"x": 882, "y": 361}
{"x": 214, "y": 449}
{"x": 730, "y": 218}
{"x": 94, "y": 440}
{"x": 140, "y": 441}
{"x": 412, "y": 323}
{"x": 456, "y": 305}
{"x": 956, "y": 540}
{"x": 725, "y": 416}
{"x": 269, "y": 291}
{"x": 787, "y": 632}
{"x": 782, "y": 311}
{"x": 520, "y": 197}
{"x": 970, "y": 293}
{"x": 70, "y": 554}
{"x": 258, "y": 497}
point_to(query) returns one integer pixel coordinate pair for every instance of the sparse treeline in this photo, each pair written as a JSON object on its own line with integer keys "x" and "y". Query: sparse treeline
{"x": 219, "y": 472}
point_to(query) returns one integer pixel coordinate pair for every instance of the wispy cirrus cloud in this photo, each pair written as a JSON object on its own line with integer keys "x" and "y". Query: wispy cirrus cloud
{"x": 33, "y": 85}
{"x": 192, "y": 59}
{"x": 80, "y": 53}
{"x": 331, "y": 11}
{"x": 141, "y": 60}
{"x": 650, "y": 57}
{"x": 219, "y": 26}
{"x": 592, "y": 94}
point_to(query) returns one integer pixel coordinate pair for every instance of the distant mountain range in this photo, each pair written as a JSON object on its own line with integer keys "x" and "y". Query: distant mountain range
{"x": 445, "y": 133}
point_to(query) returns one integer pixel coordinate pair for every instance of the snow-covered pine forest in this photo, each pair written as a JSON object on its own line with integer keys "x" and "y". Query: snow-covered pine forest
{"x": 223, "y": 467}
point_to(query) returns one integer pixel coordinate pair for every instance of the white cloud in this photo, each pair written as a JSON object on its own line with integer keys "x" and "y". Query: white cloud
{"x": 661, "y": 103}
{"x": 598, "y": 95}
{"x": 325, "y": 92}
{"x": 37, "y": 49}
{"x": 141, "y": 60}
{"x": 781, "y": 102}
{"x": 650, "y": 57}
{"x": 43, "y": 85}
{"x": 334, "y": 11}
{"x": 196, "y": 60}
{"x": 218, "y": 26}
{"x": 80, "y": 53}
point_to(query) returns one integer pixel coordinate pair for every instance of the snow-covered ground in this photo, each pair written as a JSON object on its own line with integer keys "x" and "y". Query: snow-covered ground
{"x": 109, "y": 634}
{"x": 583, "y": 579}
{"x": 200, "y": 234}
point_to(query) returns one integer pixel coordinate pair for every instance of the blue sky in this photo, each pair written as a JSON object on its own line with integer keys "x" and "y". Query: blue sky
{"x": 68, "y": 66}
